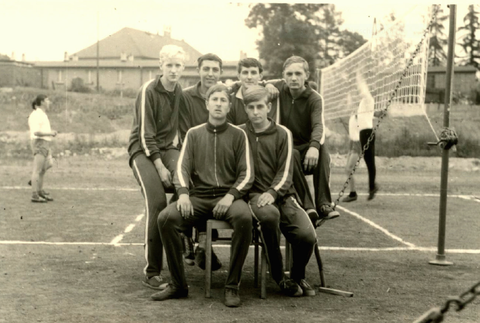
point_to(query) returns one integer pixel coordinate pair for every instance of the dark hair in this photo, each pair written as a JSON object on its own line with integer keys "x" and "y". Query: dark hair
{"x": 209, "y": 57}
{"x": 219, "y": 87}
{"x": 296, "y": 59}
{"x": 313, "y": 85}
{"x": 255, "y": 93}
{"x": 38, "y": 101}
{"x": 250, "y": 62}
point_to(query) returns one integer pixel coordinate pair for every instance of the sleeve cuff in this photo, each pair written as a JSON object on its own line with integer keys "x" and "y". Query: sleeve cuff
{"x": 182, "y": 190}
{"x": 153, "y": 157}
{"x": 236, "y": 194}
{"x": 273, "y": 193}
{"x": 315, "y": 144}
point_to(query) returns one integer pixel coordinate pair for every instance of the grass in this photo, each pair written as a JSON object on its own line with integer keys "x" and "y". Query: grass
{"x": 74, "y": 274}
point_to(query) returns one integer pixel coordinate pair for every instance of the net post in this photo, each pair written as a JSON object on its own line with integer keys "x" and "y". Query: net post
{"x": 441, "y": 258}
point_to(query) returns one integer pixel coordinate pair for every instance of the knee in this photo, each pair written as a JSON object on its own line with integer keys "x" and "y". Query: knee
{"x": 296, "y": 155}
{"x": 164, "y": 217}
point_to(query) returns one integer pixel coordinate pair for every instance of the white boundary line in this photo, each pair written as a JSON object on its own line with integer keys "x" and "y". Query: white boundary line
{"x": 125, "y": 189}
{"x": 117, "y": 239}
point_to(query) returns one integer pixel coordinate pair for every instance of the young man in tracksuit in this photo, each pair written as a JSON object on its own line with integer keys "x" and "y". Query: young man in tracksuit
{"x": 272, "y": 196}
{"x": 301, "y": 111}
{"x": 216, "y": 158}
{"x": 153, "y": 150}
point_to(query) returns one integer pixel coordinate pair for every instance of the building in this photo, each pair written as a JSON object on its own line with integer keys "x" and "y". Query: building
{"x": 18, "y": 73}
{"x": 126, "y": 60}
{"x": 464, "y": 82}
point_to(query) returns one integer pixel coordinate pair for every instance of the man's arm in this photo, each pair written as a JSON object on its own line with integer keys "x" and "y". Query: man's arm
{"x": 283, "y": 178}
{"x": 317, "y": 137}
{"x": 246, "y": 174}
{"x": 184, "y": 122}
{"x": 181, "y": 179}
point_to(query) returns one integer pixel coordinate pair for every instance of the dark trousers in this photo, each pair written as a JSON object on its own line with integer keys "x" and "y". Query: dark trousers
{"x": 321, "y": 178}
{"x": 171, "y": 223}
{"x": 289, "y": 218}
{"x": 369, "y": 156}
{"x": 155, "y": 201}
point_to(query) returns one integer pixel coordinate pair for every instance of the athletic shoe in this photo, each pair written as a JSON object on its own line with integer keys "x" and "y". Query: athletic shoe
{"x": 200, "y": 256}
{"x": 45, "y": 196}
{"x": 328, "y": 213}
{"x": 372, "y": 193}
{"x": 350, "y": 198}
{"x": 231, "y": 297}
{"x": 43, "y": 192}
{"x": 290, "y": 288}
{"x": 307, "y": 289}
{"x": 154, "y": 282}
{"x": 188, "y": 254}
{"x": 37, "y": 198}
{"x": 170, "y": 292}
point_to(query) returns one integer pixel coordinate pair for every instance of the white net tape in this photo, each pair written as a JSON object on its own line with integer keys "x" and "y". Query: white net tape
{"x": 379, "y": 64}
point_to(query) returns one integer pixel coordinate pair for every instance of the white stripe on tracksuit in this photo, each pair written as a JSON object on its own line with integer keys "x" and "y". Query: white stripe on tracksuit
{"x": 142, "y": 121}
{"x": 289, "y": 159}
{"x": 147, "y": 215}
{"x": 247, "y": 155}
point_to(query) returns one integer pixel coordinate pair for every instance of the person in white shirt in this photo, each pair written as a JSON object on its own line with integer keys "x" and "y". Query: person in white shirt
{"x": 40, "y": 134}
{"x": 354, "y": 152}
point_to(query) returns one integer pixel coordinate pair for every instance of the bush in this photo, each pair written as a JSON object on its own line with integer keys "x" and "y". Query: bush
{"x": 78, "y": 85}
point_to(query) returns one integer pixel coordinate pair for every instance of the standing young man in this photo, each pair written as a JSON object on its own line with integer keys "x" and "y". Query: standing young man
{"x": 153, "y": 150}
{"x": 272, "y": 196}
{"x": 216, "y": 158}
{"x": 301, "y": 111}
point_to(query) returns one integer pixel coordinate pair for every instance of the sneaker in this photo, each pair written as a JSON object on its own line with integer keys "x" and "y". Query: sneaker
{"x": 43, "y": 192}
{"x": 290, "y": 288}
{"x": 307, "y": 289}
{"x": 371, "y": 194}
{"x": 200, "y": 256}
{"x": 188, "y": 254}
{"x": 38, "y": 199}
{"x": 231, "y": 297}
{"x": 154, "y": 282}
{"x": 328, "y": 213}
{"x": 45, "y": 196}
{"x": 170, "y": 292}
{"x": 350, "y": 198}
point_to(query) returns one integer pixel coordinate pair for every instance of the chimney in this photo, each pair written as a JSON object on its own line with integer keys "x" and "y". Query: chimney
{"x": 167, "y": 31}
{"x": 243, "y": 55}
{"x": 65, "y": 57}
{"x": 23, "y": 57}
{"x": 13, "y": 56}
{"x": 123, "y": 57}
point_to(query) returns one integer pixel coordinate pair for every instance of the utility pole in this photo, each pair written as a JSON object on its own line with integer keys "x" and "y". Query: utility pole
{"x": 98, "y": 54}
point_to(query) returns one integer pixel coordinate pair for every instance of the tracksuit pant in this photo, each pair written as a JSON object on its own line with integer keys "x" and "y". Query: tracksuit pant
{"x": 171, "y": 223}
{"x": 321, "y": 178}
{"x": 289, "y": 218}
{"x": 369, "y": 156}
{"x": 155, "y": 201}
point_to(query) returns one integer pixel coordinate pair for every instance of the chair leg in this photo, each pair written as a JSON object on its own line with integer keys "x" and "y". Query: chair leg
{"x": 288, "y": 256}
{"x": 208, "y": 260}
{"x": 255, "y": 260}
{"x": 263, "y": 275}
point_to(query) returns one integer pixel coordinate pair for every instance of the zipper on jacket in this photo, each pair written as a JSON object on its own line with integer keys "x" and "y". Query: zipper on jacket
{"x": 215, "y": 157}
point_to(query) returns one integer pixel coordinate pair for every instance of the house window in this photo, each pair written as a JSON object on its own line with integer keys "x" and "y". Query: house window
{"x": 431, "y": 81}
{"x": 119, "y": 76}
{"x": 59, "y": 76}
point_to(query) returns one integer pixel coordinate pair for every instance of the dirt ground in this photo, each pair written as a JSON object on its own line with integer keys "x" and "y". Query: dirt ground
{"x": 57, "y": 262}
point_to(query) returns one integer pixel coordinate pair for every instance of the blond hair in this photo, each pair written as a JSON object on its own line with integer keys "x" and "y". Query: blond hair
{"x": 171, "y": 51}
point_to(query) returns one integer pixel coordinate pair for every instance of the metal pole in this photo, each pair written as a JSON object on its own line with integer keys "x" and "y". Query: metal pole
{"x": 98, "y": 54}
{"x": 440, "y": 258}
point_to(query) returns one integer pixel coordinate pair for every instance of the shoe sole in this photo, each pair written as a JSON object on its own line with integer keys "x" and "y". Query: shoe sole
{"x": 161, "y": 287}
{"x": 39, "y": 201}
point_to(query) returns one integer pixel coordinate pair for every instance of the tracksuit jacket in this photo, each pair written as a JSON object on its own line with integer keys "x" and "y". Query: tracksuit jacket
{"x": 272, "y": 155}
{"x": 303, "y": 116}
{"x": 155, "y": 122}
{"x": 193, "y": 110}
{"x": 217, "y": 159}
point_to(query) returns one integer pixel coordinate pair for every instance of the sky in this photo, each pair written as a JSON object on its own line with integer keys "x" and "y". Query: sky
{"x": 44, "y": 29}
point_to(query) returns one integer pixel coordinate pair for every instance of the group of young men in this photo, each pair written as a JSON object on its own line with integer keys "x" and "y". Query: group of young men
{"x": 228, "y": 153}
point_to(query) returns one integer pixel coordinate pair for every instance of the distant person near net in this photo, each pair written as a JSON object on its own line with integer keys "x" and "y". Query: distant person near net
{"x": 41, "y": 135}
{"x": 153, "y": 150}
{"x": 214, "y": 172}
{"x": 272, "y": 197}
{"x": 301, "y": 111}
{"x": 354, "y": 152}
{"x": 366, "y": 110}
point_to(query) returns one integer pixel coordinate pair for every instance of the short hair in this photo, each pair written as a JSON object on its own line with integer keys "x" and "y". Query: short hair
{"x": 219, "y": 87}
{"x": 209, "y": 57}
{"x": 38, "y": 101}
{"x": 171, "y": 51}
{"x": 249, "y": 62}
{"x": 255, "y": 93}
{"x": 296, "y": 59}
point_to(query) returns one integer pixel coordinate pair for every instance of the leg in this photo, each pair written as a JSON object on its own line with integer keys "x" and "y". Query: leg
{"x": 155, "y": 201}
{"x": 369, "y": 158}
{"x": 37, "y": 177}
{"x": 351, "y": 161}
{"x": 301, "y": 186}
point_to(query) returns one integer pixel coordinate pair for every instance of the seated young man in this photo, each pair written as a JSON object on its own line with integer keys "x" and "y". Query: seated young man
{"x": 301, "y": 111}
{"x": 272, "y": 196}
{"x": 216, "y": 157}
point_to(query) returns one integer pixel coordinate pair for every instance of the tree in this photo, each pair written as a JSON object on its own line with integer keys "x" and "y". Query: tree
{"x": 438, "y": 40}
{"x": 469, "y": 43}
{"x": 349, "y": 42}
{"x": 331, "y": 33}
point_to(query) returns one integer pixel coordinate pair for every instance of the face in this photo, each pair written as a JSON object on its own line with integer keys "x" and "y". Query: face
{"x": 249, "y": 76}
{"x": 172, "y": 68}
{"x": 295, "y": 76}
{"x": 218, "y": 105}
{"x": 209, "y": 73}
{"x": 45, "y": 104}
{"x": 258, "y": 111}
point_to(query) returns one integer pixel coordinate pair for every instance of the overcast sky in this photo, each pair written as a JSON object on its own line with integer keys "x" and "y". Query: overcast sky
{"x": 45, "y": 29}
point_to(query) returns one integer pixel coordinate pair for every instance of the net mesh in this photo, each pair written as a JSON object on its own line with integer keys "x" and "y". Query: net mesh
{"x": 378, "y": 65}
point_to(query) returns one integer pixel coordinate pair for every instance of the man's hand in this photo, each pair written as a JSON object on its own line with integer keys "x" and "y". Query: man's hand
{"x": 265, "y": 199}
{"x": 311, "y": 159}
{"x": 222, "y": 206}
{"x": 164, "y": 173}
{"x": 272, "y": 90}
{"x": 184, "y": 206}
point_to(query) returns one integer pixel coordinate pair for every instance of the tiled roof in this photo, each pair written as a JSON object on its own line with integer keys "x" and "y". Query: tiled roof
{"x": 140, "y": 44}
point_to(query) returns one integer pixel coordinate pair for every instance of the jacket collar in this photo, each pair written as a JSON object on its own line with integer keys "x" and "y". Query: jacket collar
{"x": 305, "y": 94}
{"x": 160, "y": 88}
{"x": 271, "y": 129}
{"x": 217, "y": 129}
